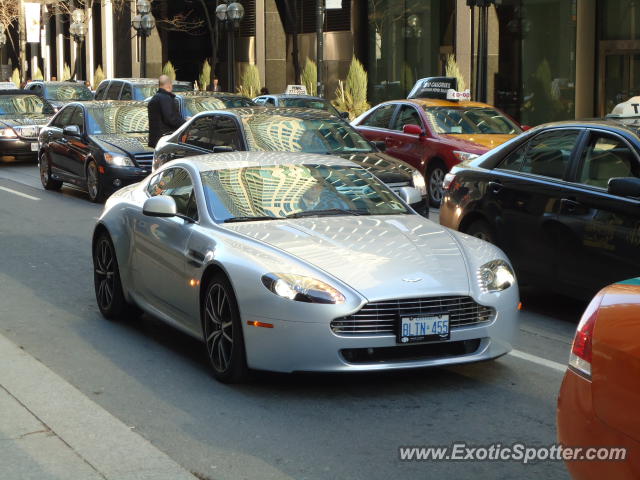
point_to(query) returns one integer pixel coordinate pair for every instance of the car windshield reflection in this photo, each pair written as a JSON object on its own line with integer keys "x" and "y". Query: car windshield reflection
{"x": 20, "y": 104}
{"x": 470, "y": 120}
{"x": 117, "y": 120}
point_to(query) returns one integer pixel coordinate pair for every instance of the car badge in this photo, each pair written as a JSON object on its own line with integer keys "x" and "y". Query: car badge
{"x": 412, "y": 280}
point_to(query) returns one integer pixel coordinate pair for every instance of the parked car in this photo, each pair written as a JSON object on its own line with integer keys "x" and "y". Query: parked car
{"x": 433, "y": 135}
{"x": 287, "y": 130}
{"x": 599, "y": 395}
{"x": 299, "y": 101}
{"x": 22, "y": 115}
{"x": 8, "y": 86}
{"x": 299, "y": 262}
{"x": 99, "y": 146}
{"x": 562, "y": 200}
{"x": 134, "y": 88}
{"x": 192, "y": 103}
{"x": 59, "y": 94}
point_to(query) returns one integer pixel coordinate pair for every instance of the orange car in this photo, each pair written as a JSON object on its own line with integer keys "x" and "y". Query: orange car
{"x": 599, "y": 401}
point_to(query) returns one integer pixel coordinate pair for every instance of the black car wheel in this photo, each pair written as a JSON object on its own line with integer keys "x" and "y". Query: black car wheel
{"x": 482, "y": 230}
{"x": 106, "y": 280}
{"x": 45, "y": 174}
{"x": 94, "y": 186}
{"x": 222, "y": 331}
{"x": 435, "y": 177}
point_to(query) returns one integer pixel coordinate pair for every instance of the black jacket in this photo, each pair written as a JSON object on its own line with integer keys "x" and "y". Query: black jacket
{"x": 164, "y": 115}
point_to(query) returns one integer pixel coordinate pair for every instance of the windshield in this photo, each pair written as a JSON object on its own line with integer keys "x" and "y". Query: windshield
{"x": 151, "y": 89}
{"x": 64, "y": 92}
{"x": 21, "y": 104}
{"x": 265, "y": 192}
{"x": 470, "y": 120}
{"x": 117, "y": 120}
{"x": 205, "y": 104}
{"x": 308, "y": 103}
{"x": 315, "y": 135}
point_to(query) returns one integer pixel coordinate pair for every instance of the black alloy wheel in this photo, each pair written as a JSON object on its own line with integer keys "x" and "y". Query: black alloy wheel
{"x": 45, "y": 174}
{"x": 95, "y": 188}
{"x": 222, "y": 331}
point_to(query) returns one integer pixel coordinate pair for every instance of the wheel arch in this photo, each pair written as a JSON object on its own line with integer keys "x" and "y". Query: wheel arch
{"x": 471, "y": 217}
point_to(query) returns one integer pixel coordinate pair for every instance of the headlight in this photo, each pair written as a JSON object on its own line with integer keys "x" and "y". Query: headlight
{"x": 419, "y": 183}
{"x": 464, "y": 156}
{"x": 495, "y": 276}
{"x": 118, "y": 160}
{"x": 8, "y": 133}
{"x": 301, "y": 288}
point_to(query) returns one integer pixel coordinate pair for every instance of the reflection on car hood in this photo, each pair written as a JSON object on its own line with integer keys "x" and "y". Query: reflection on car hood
{"x": 383, "y": 166}
{"x": 382, "y": 257}
{"x": 132, "y": 143}
{"x": 22, "y": 119}
{"x": 477, "y": 143}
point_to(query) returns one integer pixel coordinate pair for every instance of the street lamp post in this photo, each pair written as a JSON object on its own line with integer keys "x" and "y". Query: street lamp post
{"x": 230, "y": 15}
{"x": 78, "y": 30}
{"x": 144, "y": 22}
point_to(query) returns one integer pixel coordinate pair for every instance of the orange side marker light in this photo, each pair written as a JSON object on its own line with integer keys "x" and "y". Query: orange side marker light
{"x": 259, "y": 324}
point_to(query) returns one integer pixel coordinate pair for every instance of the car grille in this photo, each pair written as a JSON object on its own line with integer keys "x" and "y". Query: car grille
{"x": 144, "y": 160}
{"x": 30, "y": 131}
{"x": 380, "y": 318}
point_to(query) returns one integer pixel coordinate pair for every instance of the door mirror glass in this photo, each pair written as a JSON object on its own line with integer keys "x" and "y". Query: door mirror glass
{"x": 72, "y": 131}
{"x": 410, "y": 195}
{"x": 160, "y": 206}
{"x": 624, "y": 187}
{"x": 412, "y": 130}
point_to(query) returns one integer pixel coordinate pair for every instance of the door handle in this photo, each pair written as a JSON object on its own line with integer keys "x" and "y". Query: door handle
{"x": 495, "y": 187}
{"x": 64, "y": 140}
{"x": 388, "y": 140}
{"x": 569, "y": 205}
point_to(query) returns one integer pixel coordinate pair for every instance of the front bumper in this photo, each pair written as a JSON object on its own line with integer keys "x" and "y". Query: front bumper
{"x": 19, "y": 147}
{"x": 312, "y": 346}
{"x": 114, "y": 178}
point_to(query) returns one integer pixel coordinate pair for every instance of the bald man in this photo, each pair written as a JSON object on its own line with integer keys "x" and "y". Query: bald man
{"x": 164, "y": 114}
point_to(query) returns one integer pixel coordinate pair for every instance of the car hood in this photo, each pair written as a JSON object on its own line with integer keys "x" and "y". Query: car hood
{"x": 477, "y": 143}
{"x": 131, "y": 143}
{"x": 382, "y": 257}
{"x": 20, "y": 120}
{"x": 383, "y": 166}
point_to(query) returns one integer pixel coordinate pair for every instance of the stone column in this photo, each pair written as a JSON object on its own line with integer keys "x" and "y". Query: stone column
{"x": 275, "y": 49}
{"x": 107, "y": 39}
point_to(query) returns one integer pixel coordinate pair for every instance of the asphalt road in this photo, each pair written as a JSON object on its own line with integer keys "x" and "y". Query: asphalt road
{"x": 156, "y": 379}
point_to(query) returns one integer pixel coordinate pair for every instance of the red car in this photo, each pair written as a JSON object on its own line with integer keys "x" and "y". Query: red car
{"x": 433, "y": 135}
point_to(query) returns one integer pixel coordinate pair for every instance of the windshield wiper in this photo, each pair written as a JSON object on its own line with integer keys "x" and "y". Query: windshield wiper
{"x": 328, "y": 211}
{"x": 138, "y": 131}
{"x": 250, "y": 219}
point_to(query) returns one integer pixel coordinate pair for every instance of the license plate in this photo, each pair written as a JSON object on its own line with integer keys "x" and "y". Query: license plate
{"x": 423, "y": 329}
{"x": 34, "y": 147}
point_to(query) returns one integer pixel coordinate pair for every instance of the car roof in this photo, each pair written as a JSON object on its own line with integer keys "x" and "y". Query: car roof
{"x": 51, "y": 82}
{"x": 17, "y": 91}
{"x": 288, "y": 95}
{"x": 295, "y": 112}
{"x": 234, "y": 160}
{"x": 436, "y": 102}
{"x": 144, "y": 81}
{"x": 110, "y": 103}
{"x": 209, "y": 94}
{"x": 628, "y": 124}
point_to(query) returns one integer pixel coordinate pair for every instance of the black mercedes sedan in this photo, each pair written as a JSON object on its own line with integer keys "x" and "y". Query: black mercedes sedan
{"x": 99, "y": 146}
{"x": 286, "y": 130}
{"x": 562, "y": 200}
{"x": 22, "y": 115}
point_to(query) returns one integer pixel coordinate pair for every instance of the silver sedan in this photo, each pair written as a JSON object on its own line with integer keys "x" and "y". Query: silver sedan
{"x": 295, "y": 262}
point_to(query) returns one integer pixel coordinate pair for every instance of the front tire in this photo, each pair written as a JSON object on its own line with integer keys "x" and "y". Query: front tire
{"x": 107, "y": 283}
{"x": 482, "y": 230}
{"x": 435, "y": 176}
{"x": 45, "y": 174}
{"x": 95, "y": 189}
{"x": 222, "y": 330}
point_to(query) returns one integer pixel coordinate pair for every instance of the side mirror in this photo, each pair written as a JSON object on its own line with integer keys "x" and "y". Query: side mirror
{"x": 380, "y": 145}
{"x": 624, "y": 186}
{"x": 410, "y": 195}
{"x": 223, "y": 149}
{"x": 344, "y": 115}
{"x": 412, "y": 130}
{"x": 72, "y": 131}
{"x": 160, "y": 206}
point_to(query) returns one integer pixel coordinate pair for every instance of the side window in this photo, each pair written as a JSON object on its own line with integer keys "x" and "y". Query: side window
{"x": 380, "y": 117}
{"x": 259, "y": 101}
{"x": 270, "y": 102}
{"x": 113, "y": 92}
{"x": 127, "y": 92}
{"x": 64, "y": 117}
{"x": 407, "y": 116}
{"x": 199, "y": 133}
{"x": 102, "y": 89}
{"x": 606, "y": 157}
{"x": 548, "y": 154}
{"x": 176, "y": 183}
{"x": 78, "y": 119}
{"x": 226, "y": 132}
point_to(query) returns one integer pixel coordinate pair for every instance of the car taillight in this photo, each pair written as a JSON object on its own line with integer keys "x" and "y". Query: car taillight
{"x": 581, "y": 350}
{"x": 448, "y": 181}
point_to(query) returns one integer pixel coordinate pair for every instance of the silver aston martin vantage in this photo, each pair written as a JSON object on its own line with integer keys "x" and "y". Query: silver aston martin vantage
{"x": 296, "y": 262}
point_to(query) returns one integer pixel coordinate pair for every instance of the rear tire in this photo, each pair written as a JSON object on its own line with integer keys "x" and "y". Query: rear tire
{"x": 222, "y": 331}
{"x": 45, "y": 174}
{"x": 95, "y": 189}
{"x": 434, "y": 178}
{"x": 482, "y": 230}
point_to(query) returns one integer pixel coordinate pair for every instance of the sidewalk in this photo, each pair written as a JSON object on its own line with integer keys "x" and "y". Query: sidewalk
{"x": 51, "y": 431}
